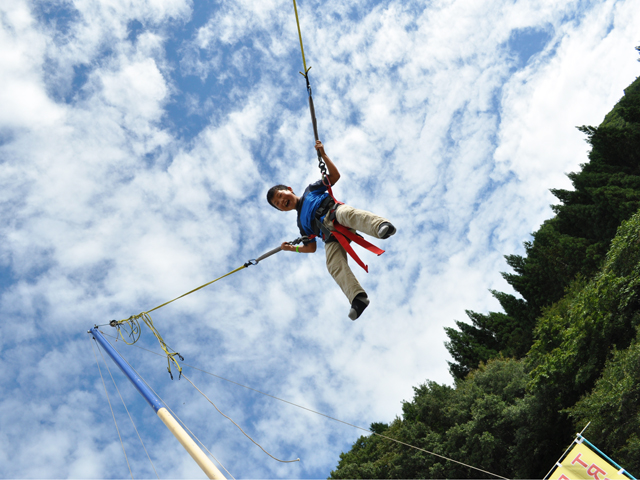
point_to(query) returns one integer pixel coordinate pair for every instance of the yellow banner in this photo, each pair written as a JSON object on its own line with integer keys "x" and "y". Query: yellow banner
{"x": 582, "y": 463}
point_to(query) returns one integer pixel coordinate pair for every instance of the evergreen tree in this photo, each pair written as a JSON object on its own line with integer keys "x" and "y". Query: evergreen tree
{"x": 490, "y": 335}
{"x": 613, "y": 408}
{"x": 570, "y": 245}
{"x": 510, "y": 417}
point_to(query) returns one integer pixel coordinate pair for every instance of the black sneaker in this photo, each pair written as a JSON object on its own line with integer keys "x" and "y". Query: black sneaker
{"x": 386, "y": 230}
{"x": 358, "y": 305}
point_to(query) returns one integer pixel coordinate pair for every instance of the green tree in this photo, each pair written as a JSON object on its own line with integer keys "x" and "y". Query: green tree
{"x": 572, "y": 244}
{"x": 490, "y": 335}
{"x": 486, "y": 421}
{"x": 511, "y": 417}
{"x": 566, "y": 352}
{"x": 575, "y": 339}
{"x": 613, "y": 408}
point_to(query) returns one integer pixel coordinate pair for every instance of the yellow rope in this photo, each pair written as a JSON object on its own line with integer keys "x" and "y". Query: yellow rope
{"x": 196, "y": 289}
{"x": 133, "y": 324}
{"x": 304, "y": 63}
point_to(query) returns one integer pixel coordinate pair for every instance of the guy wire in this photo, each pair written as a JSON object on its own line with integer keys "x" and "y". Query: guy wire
{"x": 127, "y": 410}
{"x": 239, "y": 427}
{"x": 167, "y": 406}
{"x": 332, "y": 418}
{"x": 225, "y": 416}
{"x": 111, "y": 408}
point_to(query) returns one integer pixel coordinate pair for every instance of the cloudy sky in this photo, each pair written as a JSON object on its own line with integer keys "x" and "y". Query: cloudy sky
{"x": 137, "y": 141}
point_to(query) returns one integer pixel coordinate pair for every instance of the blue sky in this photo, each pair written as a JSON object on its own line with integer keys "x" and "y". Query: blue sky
{"x": 137, "y": 142}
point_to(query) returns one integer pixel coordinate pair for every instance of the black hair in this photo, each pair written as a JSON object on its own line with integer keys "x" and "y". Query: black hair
{"x": 272, "y": 191}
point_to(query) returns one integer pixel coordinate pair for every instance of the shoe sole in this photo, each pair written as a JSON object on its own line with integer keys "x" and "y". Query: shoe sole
{"x": 366, "y": 302}
{"x": 390, "y": 231}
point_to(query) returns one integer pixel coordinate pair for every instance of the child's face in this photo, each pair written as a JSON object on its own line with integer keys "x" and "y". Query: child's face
{"x": 285, "y": 200}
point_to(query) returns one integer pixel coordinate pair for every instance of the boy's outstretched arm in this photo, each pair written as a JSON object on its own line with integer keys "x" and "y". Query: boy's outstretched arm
{"x": 308, "y": 248}
{"x": 333, "y": 173}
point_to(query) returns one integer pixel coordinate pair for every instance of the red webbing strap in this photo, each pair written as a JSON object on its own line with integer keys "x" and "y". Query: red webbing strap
{"x": 357, "y": 238}
{"x": 327, "y": 183}
{"x": 342, "y": 234}
{"x": 347, "y": 246}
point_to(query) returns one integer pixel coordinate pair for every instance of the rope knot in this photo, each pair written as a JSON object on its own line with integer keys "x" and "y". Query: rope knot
{"x": 131, "y": 326}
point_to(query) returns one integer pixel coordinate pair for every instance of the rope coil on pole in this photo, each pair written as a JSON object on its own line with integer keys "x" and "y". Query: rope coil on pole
{"x": 133, "y": 324}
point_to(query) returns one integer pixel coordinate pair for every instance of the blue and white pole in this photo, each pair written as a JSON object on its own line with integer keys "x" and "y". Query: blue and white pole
{"x": 187, "y": 442}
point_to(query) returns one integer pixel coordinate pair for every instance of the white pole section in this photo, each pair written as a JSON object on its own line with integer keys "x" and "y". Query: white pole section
{"x": 189, "y": 445}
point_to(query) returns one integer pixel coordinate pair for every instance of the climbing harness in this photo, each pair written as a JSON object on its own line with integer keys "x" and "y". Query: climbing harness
{"x": 342, "y": 234}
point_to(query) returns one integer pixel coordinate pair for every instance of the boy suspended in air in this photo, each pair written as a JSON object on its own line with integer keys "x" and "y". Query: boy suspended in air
{"x": 318, "y": 214}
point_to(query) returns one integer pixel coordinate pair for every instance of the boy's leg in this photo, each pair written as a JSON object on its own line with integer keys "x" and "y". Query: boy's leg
{"x": 361, "y": 220}
{"x": 340, "y": 270}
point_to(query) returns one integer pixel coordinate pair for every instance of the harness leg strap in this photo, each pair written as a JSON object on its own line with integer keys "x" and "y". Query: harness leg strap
{"x": 357, "y": 238}
{"x": 345, "y": 244}
{"x": 343, "y": 234}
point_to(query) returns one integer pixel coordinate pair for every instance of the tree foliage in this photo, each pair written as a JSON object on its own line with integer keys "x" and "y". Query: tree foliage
{"x": 571, "y": 244}
{"x": 567, "y": 352}
{"x": 613, "y": 408}
{"x": 571, "y": 348}
{"x": 476, "y": 423}
{"x": 511, "y": 416}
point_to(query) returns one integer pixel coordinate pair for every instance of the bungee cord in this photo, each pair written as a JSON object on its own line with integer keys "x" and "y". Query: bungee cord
{"x": 312, "y": 110}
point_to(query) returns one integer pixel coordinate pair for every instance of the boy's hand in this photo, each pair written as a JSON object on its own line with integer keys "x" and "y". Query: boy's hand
{"x": 332, "y": 172}
{"x": 320, "y": 148}
{"x": 308, "y": 248}
{"x": 287, "y": 247}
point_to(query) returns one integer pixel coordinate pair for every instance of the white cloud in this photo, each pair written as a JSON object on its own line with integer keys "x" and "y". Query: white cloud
{"x": 25, "y": 103}
{"x": 107, "y": 210}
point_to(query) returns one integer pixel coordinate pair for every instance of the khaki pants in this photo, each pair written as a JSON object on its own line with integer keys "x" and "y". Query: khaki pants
{"x": 355, "y": 219}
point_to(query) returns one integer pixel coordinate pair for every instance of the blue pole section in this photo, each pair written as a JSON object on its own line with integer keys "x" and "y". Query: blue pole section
{"x": 187, "y": 442}
{"x": 145, "y": 391}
